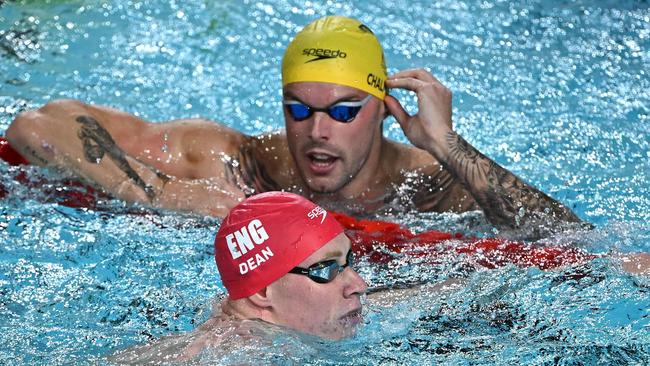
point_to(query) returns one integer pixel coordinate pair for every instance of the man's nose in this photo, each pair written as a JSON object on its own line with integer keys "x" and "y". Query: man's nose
{"x": 321, "y": 126}
{"x": 354, "y": 284}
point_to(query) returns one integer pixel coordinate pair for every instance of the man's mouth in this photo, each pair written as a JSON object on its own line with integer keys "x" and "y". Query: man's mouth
{"x": 352, "y": 318}
{"x": 321, "y": 163}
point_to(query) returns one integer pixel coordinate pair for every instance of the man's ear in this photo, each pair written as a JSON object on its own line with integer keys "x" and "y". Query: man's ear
{"x": 260, "y": 299}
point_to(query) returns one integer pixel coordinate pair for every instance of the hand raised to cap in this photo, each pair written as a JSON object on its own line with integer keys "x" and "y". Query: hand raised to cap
{"x": 433, "y": 119}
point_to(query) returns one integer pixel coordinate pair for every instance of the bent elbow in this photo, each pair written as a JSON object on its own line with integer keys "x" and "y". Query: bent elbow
{"x": 39, "y": 121}
{"x": 22, "y": 126}
{"x": 31, "y": 130}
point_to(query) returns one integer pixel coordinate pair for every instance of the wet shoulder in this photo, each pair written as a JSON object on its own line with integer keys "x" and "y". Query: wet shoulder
{"x": 203, "y": 136}
{"x": 222, "y": 339}
{"x": 400, "y": 158}
{"x": 272, "y": 153}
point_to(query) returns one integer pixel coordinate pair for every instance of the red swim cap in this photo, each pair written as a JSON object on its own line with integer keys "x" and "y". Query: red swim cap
{"x": 267, "y": 235}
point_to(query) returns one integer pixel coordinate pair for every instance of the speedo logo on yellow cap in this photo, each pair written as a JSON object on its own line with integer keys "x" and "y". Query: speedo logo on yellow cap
{"x": 322, "y": 54}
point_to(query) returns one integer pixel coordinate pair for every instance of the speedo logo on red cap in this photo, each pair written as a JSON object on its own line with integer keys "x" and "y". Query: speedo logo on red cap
{"x": 244, "y": 240}
{"x": 317, "y": 211}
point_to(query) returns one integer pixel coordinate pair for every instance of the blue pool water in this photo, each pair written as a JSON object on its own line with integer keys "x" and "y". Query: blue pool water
{"x": 556, "y": 91}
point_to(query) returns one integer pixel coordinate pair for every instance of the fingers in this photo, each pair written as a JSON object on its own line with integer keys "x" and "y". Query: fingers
{"x": 420, "y": 74}
{"x": 395, "y": 108}
{"x": 405, "y": 83}
{"x": 413, "y": 80}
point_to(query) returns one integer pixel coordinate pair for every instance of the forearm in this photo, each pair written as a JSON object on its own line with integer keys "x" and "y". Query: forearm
{"x": 506, "y": 200}
{"x": 391, "y": 295}
{"x": 130, "y": 180}
{"x": 636, "y": 263}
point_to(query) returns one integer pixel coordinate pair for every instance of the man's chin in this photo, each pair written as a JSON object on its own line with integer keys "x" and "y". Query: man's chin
{"x": 341, "y": 334}
{"x": 321, "y": 186}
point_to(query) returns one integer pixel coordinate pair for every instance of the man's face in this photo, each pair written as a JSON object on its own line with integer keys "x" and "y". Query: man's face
{"x": 329, "y": 310}
{"x": 330, "y": 154}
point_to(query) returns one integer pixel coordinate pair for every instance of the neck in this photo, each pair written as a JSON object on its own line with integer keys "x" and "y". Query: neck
{"x": 241, "y": 309}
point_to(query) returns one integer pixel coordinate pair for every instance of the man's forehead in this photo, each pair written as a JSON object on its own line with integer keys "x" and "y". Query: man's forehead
{"x": 336, "y": 247}
{"x": 305, "y": 89}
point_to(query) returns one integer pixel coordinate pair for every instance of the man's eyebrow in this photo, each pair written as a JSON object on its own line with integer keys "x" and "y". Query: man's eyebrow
{"x": 333, "y": 254}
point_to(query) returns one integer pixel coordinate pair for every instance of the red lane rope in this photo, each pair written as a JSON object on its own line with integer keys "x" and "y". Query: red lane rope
{"x": 69, "y": 192}
{"x": 381, "y": 240}
{"x": 8, "y": 154}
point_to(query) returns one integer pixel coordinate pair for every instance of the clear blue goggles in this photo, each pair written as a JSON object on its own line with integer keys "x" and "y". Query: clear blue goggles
{"x": 325, "y": 271}
{"x": 342, "y": 112}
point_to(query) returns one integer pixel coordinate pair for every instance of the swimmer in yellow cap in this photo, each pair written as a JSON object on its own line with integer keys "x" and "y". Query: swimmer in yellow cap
{"x": 335, "y": 98}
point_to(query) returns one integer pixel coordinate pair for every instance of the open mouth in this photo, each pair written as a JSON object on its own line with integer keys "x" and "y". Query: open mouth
{"x": 321, "y": 163}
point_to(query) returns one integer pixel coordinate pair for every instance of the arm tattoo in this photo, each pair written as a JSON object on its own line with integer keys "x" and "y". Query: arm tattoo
{"x": 505, "y": 199}
{"x": 97, "y": 143}
{"x": 249, "y": 174}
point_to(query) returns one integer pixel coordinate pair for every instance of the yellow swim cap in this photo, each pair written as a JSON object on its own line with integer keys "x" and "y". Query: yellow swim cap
{"x": 336, "y": 50}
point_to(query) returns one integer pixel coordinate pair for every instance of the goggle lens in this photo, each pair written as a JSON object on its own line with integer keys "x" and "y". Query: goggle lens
{"x": 343, "y": 112}
{"x": 298, "y": 111}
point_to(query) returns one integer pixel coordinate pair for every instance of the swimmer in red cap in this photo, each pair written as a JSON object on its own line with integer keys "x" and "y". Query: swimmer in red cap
{"x": 286, "y": 264}
{"x": 286, "y": 261}
{"x": 333, "y": 151}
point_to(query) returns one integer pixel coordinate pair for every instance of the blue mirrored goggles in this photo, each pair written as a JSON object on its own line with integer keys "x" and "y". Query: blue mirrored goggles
{"x": 325, "y": 271}
{"x": 342, "y": 112}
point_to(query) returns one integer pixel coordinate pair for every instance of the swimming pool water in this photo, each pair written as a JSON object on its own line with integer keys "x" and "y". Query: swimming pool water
{"x": 556, "y": 91}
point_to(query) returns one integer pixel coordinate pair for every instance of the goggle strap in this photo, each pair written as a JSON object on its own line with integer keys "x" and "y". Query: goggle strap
{"x": 359, "y": 103}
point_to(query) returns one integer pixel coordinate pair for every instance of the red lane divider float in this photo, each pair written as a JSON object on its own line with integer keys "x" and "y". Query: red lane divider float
{"x": 67, "y": 192}
{"x": 379, "y": 240}
{"x": 9, "y": 155}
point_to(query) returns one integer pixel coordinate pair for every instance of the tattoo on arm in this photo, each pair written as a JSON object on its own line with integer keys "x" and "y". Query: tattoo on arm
{"x": 505, "y": 199}
{"x": 249, "y": 174}
{"x": 97, "y": 143}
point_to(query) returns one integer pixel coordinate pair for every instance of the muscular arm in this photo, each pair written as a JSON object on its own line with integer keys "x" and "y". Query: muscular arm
{"x": 439, "y": 191}
{"x": 506, "y": 200}
{"x": 468, "y": 176}
{"x": 115, "y": 151}
{"x": 98, "y": 143}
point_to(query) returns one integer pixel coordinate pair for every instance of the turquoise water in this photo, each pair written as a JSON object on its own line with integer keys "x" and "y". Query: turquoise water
{"x": 556, "y": 91}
